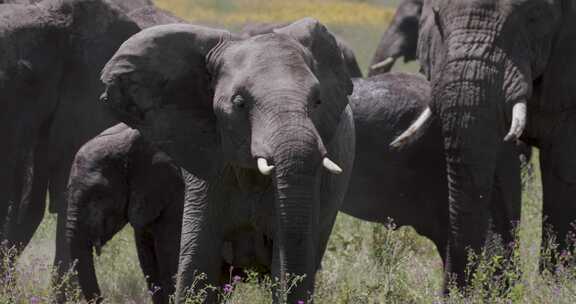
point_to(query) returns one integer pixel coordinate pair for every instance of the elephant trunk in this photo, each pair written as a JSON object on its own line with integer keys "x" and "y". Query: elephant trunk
{"x": 474, "y": 98}
{"x": 80, "y": 246}
{"x": 296, "y": 151}
{"x": 297, "y": 163}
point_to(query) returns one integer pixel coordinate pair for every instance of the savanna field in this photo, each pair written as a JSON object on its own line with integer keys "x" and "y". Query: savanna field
{"x": 364, "y": 262}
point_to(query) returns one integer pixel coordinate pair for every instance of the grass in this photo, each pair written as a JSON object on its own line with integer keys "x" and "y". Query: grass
{"x": 364, "y": 262}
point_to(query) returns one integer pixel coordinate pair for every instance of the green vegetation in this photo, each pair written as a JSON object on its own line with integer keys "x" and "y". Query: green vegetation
{"x": 364, "y": 263}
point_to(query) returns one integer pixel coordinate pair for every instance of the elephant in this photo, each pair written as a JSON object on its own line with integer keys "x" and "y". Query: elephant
{"x": 406, "y": 186}
{"x": 263, "y": 119}
{"x": 52, "y": 53}
{"x": 119, "y": 178}
{"x": 500, "y": 71}
{"x": 400, "y": 38}
{"x": 258, "y": 28}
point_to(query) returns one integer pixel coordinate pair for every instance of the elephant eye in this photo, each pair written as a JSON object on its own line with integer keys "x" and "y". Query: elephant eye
{"x": 238, "y": 101}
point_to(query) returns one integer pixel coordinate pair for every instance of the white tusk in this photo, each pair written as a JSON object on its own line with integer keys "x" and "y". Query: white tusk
{"x": 263, "y": 166}
{"x": 386, "y": 63}
{"x": 413, "y": 130}
{"x": 331, "y": 166}
{"x": 518, "y": 122}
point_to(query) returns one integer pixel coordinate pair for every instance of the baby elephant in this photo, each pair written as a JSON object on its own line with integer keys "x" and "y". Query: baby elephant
{"x": 119, "y": 178}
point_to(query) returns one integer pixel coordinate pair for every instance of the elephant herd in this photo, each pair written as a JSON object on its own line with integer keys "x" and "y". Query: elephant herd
{"x": 239, "y": 149}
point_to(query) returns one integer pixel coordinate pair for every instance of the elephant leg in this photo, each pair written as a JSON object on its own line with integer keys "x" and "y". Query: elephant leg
{"x": 29, "y": 213}
{"x": 324, "y": 238}
{"x": 200, "y": 259}
{"x": 505, "y": 210}
{"x": 507, "y": 196}
{"x": 62, "y": 260}
{"x": 166, "y": 234}
{"x": 558, "y": 163}
{"x": 149, "y": 263}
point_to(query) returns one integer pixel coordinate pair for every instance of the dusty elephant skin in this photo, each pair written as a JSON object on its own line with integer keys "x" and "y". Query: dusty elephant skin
{"x": 119, "y": 178}
{"x": 264, "y": 117}
{"x": 500, "y": 70}
{"x": 255, "y": 28}
{"x": 400, "y": 38}
{"x": 52, "y": 54}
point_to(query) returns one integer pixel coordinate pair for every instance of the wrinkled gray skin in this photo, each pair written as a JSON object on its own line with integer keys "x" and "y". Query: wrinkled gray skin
{"x": 216, "y": 103}
{"x": 256, "y": 28}
{"x": 407, "y": 185}
{"x": 400, "y": 38}
{"x": 483, "y": 57}
{"x": 119, "y": 178}
{"x": 52, "y": 53}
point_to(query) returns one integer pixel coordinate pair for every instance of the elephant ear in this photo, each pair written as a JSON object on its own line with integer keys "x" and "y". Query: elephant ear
{"x": 329, "y": 68}
{"x": 558, "y": 86}
{"x": 159, "y": 83}
{"x": 430, "y": 40}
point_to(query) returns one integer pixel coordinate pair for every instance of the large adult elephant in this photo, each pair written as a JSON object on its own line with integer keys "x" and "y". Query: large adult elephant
{"x": 408, "y": 185}
{"x": 400, "y": 38}
{"x": 52, "y": 54}
{"x": 258, "y": 117}
{"x": 500, "y": 70}
{"x": 259, "y": 28}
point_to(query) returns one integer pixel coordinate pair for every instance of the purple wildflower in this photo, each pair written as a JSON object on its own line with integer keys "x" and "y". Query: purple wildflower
{"x": 300, "y": 302}
{"x": 34, "y": 300}
{"x": 228, "y": 288}
{"x": 236, "y": 279}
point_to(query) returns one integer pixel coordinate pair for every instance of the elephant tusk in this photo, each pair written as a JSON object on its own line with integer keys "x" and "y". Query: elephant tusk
{"x": 518, "y": 122}
{"x": 416, "y": 127}
{"x": 263, "y": 166}
{"x": 331, "y": 166}
{"x": 386, "y": 63}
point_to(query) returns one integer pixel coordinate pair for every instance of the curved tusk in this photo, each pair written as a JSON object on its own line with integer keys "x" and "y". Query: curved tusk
{"x": 386, "y": 63}
{"x": 331, "y": 166}
{"x": 413, "y": 130}
{"x": 518, "y": 122}
{"x": 263, "y": 166}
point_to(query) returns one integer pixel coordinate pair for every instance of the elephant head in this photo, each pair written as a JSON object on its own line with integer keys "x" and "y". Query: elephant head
{"x": 268, "y": 102}
{"x": 400, "y": 38}
{"x": 116, "y": 178}
{"x": 253, "y": 29}
{"x": 490, "y": 64}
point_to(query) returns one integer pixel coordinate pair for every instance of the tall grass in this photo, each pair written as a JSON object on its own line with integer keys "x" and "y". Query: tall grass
{"x": 364, "y": 262}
